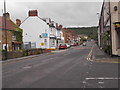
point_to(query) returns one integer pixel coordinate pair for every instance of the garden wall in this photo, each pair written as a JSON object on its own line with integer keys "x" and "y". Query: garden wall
{"x": 22, "y": 53}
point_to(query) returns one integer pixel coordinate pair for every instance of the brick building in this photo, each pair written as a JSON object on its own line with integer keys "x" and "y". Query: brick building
{"x": 70, "y": 37}
{"x": 14, "y": 33}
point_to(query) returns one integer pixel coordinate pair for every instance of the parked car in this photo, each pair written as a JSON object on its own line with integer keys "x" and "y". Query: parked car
{"x": 84, "y": 44}
{"x": 68, "y": 45}
{"x": 75, "y": 44}
{"x": 62, "y": 46}
{"x": 72, "y": 44}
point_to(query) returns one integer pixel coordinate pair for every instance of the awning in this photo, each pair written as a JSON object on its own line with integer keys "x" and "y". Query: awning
{"x": 52, "y": 36}
{"x": 58, "y": 38}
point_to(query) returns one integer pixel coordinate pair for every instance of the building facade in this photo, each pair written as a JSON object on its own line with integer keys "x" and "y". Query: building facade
{"x": 40, "y": 32}
{"x": 108, "y": 33}
{"x": 13, "y": 34}
{"x": 70, "y": 37}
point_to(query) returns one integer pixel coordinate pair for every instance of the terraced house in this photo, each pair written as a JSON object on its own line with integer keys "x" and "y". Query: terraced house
{"x": 40, "y": 32}
{"x": 70, "y": 37}
{"x": 13, "y": 35}
{"x": 109, "y": 27}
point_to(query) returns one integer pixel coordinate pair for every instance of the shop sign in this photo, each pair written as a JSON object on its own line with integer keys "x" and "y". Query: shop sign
{"x": 42, "y": 44}
{"x": 117, "y": 25}
{"x": 44, "y": 35}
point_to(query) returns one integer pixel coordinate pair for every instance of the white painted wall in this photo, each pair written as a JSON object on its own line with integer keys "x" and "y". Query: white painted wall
{"x": 32, "y": 28}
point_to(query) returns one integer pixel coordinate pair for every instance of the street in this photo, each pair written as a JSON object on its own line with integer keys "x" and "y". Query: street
{"x": 67, "y": 68}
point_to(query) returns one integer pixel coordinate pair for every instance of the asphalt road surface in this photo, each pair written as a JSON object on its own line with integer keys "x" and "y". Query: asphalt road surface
{"x": 60, "y": 69}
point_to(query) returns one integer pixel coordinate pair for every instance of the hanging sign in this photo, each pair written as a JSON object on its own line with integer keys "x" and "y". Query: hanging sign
{"x": 117, "y": 25}
{"x": 42, "y": 44}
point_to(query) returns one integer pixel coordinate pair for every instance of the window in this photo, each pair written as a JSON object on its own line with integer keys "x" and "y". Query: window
{"x": 52, "y": 42}
{"x": 45, "y": 41}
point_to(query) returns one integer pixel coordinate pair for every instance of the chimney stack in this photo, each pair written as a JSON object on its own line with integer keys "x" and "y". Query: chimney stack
{"x": 60, "y": 26}
{"x": 47, "y": 21}
{"x": 32, "y": 13}
{"x": 7, "y": 16}
{"x": 50, "y": 20}
{"x": 18, "y": 22}
{"x": 56, "y": 25}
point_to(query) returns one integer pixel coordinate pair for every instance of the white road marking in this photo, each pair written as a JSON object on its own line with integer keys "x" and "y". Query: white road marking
{"x": 84, "y": 82}
{"x": 59, "y": 51}
{"x": 103, "y": 78}
{"x": 100, "y": 87}
{"x": 101, "y": 82}
{"x": 27, "y": 67}
{"x": 48, "y": 59}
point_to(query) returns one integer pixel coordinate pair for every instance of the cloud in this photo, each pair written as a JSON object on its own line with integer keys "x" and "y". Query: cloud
{"x": 57, "y": 0}
{"x": 66, "y": 13}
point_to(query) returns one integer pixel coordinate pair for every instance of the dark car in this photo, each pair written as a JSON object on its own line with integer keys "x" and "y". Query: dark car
{"x": 62, "y": 46}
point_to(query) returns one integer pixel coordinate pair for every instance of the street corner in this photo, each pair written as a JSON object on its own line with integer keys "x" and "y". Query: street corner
{"x": 93, "y": 56}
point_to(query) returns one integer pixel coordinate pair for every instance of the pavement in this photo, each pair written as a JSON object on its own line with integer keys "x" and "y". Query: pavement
{"x": 98, "y": 55}
{"x": 31, "y": 56}
{"x": 60, "y": 69}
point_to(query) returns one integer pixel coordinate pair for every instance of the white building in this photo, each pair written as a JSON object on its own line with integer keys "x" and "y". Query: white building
{"x": 42, "y": 33}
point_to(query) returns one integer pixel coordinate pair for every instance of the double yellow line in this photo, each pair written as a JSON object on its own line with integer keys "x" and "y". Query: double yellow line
{"x": 89, "y": 58}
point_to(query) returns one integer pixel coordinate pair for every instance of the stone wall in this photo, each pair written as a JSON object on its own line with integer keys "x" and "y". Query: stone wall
{"x": 22, "y": 53}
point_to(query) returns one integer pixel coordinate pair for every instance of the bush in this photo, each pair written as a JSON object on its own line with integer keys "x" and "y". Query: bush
{"x": 107, "y": 49}
{"x": 3, "y": 50}
{"x": 25, "y": 53}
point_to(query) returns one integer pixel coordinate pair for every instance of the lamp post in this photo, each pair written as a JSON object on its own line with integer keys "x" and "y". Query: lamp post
{"x": 6, "y": 50}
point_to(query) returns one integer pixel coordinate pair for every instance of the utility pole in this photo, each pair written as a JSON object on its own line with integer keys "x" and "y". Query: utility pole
{"x": 110, "y": 30}
{"x": 6, "y": 51}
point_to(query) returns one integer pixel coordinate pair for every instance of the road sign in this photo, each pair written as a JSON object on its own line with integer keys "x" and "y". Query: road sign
{"x": 44, "y": 35}
{"x": 42, "y": 44}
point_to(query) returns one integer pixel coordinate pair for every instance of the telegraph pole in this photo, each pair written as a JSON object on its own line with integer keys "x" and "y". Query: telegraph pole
{"x": 110, "y": 30}
{"x": 6, "y": 50}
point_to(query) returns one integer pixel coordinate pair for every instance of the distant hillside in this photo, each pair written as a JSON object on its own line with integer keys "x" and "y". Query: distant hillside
{"x": 89, "y": 31}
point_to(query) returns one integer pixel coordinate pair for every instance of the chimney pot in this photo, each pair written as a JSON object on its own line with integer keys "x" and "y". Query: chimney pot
{"x": 57, "y": 25}
{"x": 18, "y": 22}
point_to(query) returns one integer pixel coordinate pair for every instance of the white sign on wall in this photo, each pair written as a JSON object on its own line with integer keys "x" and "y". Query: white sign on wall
{"x": 4, "y": 46}
{"x": 44, "y": 35}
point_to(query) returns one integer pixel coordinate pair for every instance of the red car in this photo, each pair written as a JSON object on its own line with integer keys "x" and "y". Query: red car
{"x": 62, "y": 46}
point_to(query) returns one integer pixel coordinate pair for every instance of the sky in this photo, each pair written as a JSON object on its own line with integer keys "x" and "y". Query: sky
{"x": 68, "y": 13}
